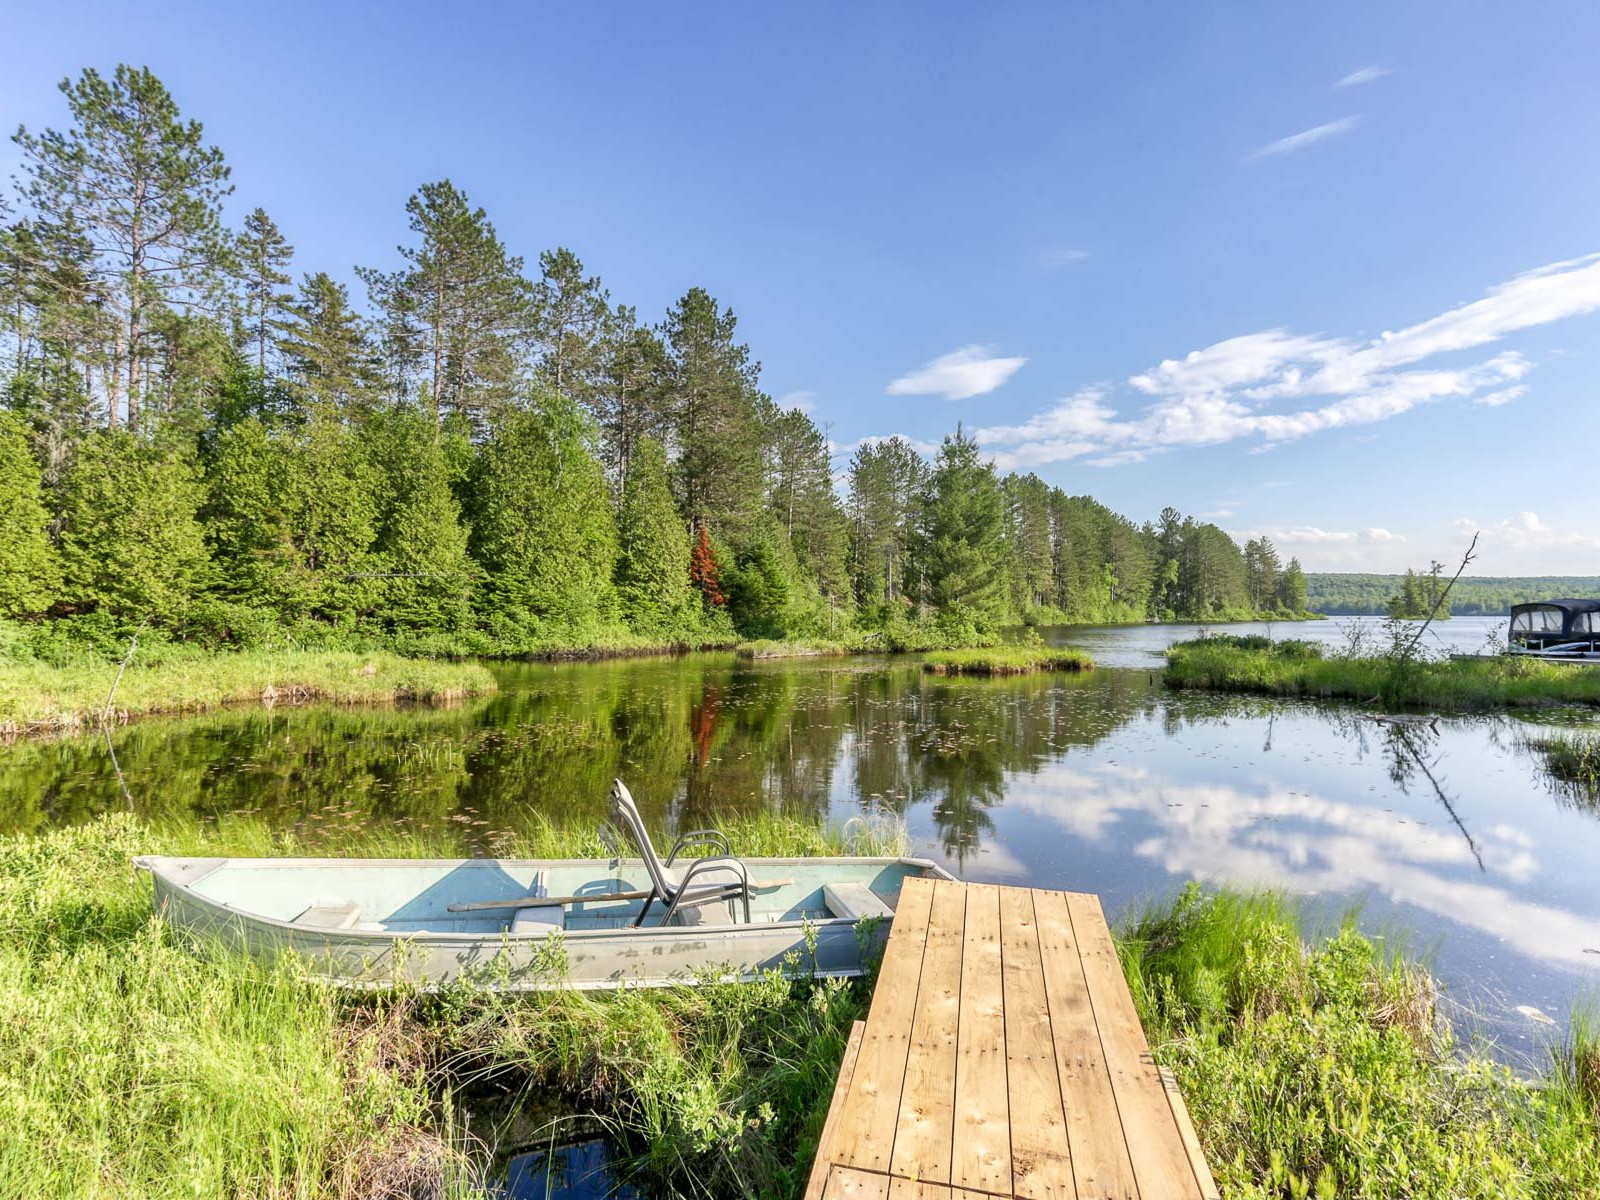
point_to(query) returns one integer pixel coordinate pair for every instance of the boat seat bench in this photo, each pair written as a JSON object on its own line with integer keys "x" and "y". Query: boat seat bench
{"x": 854, "y": 900}
{"x": 535, "y": 917}
{"x": 339, "y": 914}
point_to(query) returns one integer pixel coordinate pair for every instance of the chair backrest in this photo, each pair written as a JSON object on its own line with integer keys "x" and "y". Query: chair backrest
{"x": 627, "y": 812}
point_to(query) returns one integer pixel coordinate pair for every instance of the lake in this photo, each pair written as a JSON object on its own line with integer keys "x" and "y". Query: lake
{"x": 1447, "y": 838}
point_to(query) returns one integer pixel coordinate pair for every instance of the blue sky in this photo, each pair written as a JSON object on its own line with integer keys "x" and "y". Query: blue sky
{"x": 1150, "y": 252}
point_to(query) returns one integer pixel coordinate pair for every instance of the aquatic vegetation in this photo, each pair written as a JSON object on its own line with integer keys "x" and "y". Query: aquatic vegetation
{"x": 1300, "y": 669}
{"x": 38, "y": 697}
{"x": 1007, "y": 660}
{"x": 1572, "y": 760}
{"x": 801, "y": 648}
{"x": 1326, "y": 1070}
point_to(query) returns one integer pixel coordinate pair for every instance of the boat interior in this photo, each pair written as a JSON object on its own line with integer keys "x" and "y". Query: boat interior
{"x": 416, "y": 897}
{"x": 1555, "y": 627}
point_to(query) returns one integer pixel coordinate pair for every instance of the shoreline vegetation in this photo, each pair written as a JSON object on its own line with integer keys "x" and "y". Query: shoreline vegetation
{"x": 1007, "y": 660}
{"x": 1302, "y": 669}
{"x": 37, "y": 698}
{"x": 123, "y": 1047}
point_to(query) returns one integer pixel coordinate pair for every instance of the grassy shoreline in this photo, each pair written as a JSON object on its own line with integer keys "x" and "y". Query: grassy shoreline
{"x": 135, "y": 1064}
{"x": 1292, "y": 668}
{"x": 40, "y": 698}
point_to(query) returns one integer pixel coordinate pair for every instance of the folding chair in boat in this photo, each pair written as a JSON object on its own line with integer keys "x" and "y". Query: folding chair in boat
{"x": 716, "y": 877}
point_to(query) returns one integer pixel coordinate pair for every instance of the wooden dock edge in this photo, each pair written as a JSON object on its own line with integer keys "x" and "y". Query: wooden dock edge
{"x": 847, "y": 1070}
{"x": 1191, "y": 1140}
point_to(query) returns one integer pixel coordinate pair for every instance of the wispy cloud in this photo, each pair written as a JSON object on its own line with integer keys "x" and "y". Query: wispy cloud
{"x": 1276, "y": 386}
{"x": 1364, "y": 75}
{"x": 1306, "y": 137}
{"x": 1056, "y": 258}
{"x": 801, "y": 401}
{"x": 969, "y": 371}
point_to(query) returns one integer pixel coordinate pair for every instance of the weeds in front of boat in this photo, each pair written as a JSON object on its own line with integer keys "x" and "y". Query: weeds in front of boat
{"x": 1326, "y": 1071}
{"x": 1290, "y": 668}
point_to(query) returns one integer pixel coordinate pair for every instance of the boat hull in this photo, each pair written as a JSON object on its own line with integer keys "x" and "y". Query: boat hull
{"x": 581, "y": 959}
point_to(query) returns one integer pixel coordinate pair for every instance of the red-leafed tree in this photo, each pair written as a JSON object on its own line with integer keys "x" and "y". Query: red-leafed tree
{"x": 703, "y": 571}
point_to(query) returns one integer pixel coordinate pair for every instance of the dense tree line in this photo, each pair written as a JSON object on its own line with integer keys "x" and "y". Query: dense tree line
{"x": 1355, "y": 594}
{"x": 201, "y": 436}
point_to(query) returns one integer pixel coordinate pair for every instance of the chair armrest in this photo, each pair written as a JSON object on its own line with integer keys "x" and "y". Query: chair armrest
{"x": 716, "y": 862}
{"x": 700, "y": 837}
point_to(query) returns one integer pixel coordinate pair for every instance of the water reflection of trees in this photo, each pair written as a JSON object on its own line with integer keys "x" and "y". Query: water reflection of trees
{"x": 695, "y": 737}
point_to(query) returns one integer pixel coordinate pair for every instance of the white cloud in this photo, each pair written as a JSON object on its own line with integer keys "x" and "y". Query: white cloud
{"x": 1364, "y": 75}
{"x": 1524, "y": 535}
{"x": 1055, "y": 259}
{"x": 1275, "y": 386}
{"x": 1312, "y": 535}
{"x": 805, "y": 402}
{"x": 1306, "y": 137}
{"x": 970, "y": 371}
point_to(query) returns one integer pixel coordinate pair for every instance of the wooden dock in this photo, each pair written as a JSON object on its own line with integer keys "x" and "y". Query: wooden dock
{"x": 1002, "y": 1056}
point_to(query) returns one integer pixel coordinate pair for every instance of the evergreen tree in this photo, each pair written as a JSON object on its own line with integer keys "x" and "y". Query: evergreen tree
{"x": 570, "y": 315}
{"x": 294, "y": 519}
{"x": 29, "y": 573}
{"x": 264, "y": 255}
{"x": 146, "y": 193}
{"x": 631, "y": 398}
{"x": 966, "y": 551}
{"x": 802, "y": 500}
{"x": 887, "y": 483}
{"x": 715, "y": 419}
{"x": 653, "y": 562}
{"x": 542, "y": 523}
{"x": 759, "y": 591}
{"x": 454, "y": 314}
{"x": 1028, "y": 534}
{"x": 131, "y": 541}
{"x": 421, "y": 542}
{"x": 325, "y": 346}
{"x": 1292, "y": 588}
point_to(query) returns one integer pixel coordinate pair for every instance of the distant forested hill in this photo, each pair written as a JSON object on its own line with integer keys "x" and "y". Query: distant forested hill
{"x": 1343, "y": 595}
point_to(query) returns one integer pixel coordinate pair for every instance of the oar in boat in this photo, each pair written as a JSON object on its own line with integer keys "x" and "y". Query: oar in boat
{"x": 564, "y": 901}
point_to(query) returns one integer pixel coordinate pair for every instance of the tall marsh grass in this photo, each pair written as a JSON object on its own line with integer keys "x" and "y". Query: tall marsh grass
{"x": 1327, "y": 1071}
{"x": 39, "y": 697}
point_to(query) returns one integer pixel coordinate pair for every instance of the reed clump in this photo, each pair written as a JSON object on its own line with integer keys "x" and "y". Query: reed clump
{"x": 1007, "y": 660}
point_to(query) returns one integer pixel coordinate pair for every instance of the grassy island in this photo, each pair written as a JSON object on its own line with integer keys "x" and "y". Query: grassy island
{"x": 36, "y": 697}
{"x": 1297, "y": 668}
{"x": 135, "y": 1064}
{"x": 1007, "y": 660}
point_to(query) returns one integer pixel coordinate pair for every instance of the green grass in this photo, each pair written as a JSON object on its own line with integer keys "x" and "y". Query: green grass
{"x": 1301, "y": 669}
{"x": 136, "y": 1064}
{"x": 38, "y": 697}
{"x": 1328, "y": 1072}
{"x": 1007, "y": 660}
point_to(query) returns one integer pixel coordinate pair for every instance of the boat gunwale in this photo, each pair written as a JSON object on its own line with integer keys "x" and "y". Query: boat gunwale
{"x": 151, "y": 864}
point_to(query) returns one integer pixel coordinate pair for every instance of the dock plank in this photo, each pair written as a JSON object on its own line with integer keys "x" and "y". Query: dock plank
{"x": 922, "y": 1138}
{"x": 1155, "y": 1143}
{"x": 1041, "y": 1158}
{"x": 830, "y": 1127}
{"x": 867, "y": 1124}
{"x": 980, "y": 1157}
{"x": 1101, "y": 1166}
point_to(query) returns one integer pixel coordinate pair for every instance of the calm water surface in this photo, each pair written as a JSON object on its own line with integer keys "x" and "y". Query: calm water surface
{"x": 1446, "y": 835}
